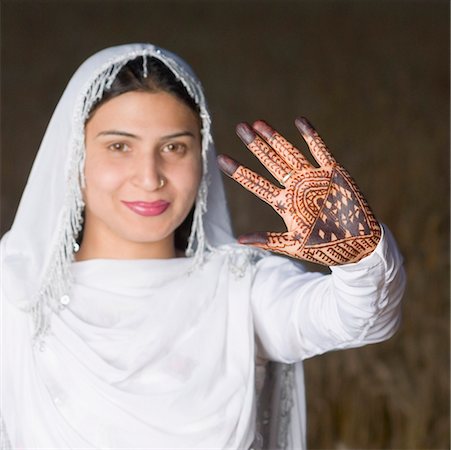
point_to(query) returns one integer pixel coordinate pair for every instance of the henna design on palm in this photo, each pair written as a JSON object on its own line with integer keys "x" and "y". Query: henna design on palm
{"x": 327, "y": 218}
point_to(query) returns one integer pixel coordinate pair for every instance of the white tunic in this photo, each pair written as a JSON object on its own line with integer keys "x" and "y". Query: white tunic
{"x": 147, "y": 355}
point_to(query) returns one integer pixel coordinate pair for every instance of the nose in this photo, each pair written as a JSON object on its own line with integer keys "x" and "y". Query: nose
{"x": 147, "y": 173}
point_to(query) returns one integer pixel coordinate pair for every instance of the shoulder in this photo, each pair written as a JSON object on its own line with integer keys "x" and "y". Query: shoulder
{"x": 241, "y": 259}
{"x": 3, "y": 240}
{"x": 12, "y": 281}
{"x": 237, "y": 259}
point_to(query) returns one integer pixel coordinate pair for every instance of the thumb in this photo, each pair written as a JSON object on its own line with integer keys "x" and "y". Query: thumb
{"x": 256, "y": 238}
{"x": 274, "y": 242}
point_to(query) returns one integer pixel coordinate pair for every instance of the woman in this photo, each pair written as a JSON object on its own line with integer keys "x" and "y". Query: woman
{"x": 121, "y": 329}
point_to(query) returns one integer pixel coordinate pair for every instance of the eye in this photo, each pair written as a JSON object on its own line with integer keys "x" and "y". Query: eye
{"x": 119, "y": 147}
{"x": 174, "y": 148}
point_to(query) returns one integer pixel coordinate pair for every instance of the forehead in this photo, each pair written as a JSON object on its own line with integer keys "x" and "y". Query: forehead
{"x": 145, "y": 110}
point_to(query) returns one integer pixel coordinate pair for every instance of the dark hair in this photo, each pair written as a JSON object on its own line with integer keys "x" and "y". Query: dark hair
{"x": 147, "y": 75}
{"x": 151, "y": 75}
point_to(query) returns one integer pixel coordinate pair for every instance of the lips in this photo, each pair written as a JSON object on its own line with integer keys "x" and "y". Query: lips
{"x": 148, "y": 209}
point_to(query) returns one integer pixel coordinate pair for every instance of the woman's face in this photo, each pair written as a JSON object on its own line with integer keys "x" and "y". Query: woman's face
{"x": 142, "y": 170}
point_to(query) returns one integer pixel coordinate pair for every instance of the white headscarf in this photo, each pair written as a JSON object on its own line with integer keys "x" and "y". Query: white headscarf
{"x": 37, "y": 252}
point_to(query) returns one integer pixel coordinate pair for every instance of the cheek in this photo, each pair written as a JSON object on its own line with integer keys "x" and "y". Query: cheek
{"x": 102, "y": 177}
{"x": 191, "y": 180}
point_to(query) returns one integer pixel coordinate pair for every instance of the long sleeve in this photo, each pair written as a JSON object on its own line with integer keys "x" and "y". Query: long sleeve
{"x": 298, "y": 314}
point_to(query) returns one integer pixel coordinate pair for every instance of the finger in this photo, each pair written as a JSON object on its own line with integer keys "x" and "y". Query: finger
{"x": 316, "y": 145}
{"x": 250, "y": 180}
{"x": 285, "y": 149}
{"x": 276, "y": 165}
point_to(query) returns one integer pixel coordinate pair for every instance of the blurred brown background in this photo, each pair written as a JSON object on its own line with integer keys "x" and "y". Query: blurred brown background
{"x": 373, "y": 76}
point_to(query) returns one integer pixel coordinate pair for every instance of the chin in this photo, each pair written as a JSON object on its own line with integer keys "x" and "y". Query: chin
{"x": 145, "y": 237}
{"x": 145, "y": 234}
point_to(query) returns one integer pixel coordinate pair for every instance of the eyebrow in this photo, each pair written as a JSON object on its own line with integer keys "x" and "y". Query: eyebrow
{"x": 117, "y": 133}
{"x": 134, "y": 136}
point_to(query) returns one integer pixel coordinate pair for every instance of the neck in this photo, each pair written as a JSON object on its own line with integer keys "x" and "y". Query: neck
{"x": 106, "y": 247}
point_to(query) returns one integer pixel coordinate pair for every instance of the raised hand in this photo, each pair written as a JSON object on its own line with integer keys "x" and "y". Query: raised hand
{"x": 327, "y": 218}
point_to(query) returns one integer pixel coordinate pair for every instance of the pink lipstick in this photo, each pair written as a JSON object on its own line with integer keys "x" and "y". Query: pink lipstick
{"x": 148, "y": 209}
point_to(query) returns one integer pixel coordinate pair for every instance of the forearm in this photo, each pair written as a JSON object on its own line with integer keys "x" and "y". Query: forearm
{"x": 299, "y": 315}
{"x": 356, "y": 305}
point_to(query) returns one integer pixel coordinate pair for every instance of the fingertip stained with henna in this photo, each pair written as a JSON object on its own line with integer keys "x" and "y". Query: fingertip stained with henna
{"x": 303, "y": 125}
{"x": 259, "y": 237}
{"x": 245, "y": 132}
{"x": 227, "y": 164}
{"x": 264, "y": 129}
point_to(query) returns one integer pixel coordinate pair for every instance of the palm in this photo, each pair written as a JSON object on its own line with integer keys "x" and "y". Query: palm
{"x": 327, "y": 218}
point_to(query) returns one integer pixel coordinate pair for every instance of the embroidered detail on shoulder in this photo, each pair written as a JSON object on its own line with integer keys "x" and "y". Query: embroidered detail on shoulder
{"x": 240, "y": 258}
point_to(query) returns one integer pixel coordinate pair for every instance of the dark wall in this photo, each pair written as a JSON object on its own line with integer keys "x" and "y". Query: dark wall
{"x": 373, "y": 76}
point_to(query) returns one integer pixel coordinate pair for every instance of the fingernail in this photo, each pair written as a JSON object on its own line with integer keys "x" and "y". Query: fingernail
{"x": 227, "y": 164}
{"x": 260, "y": 237}
{"x": 264, "y": 129}
{"x": 245, "y": 132}
{"x": 303, "y": 124}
